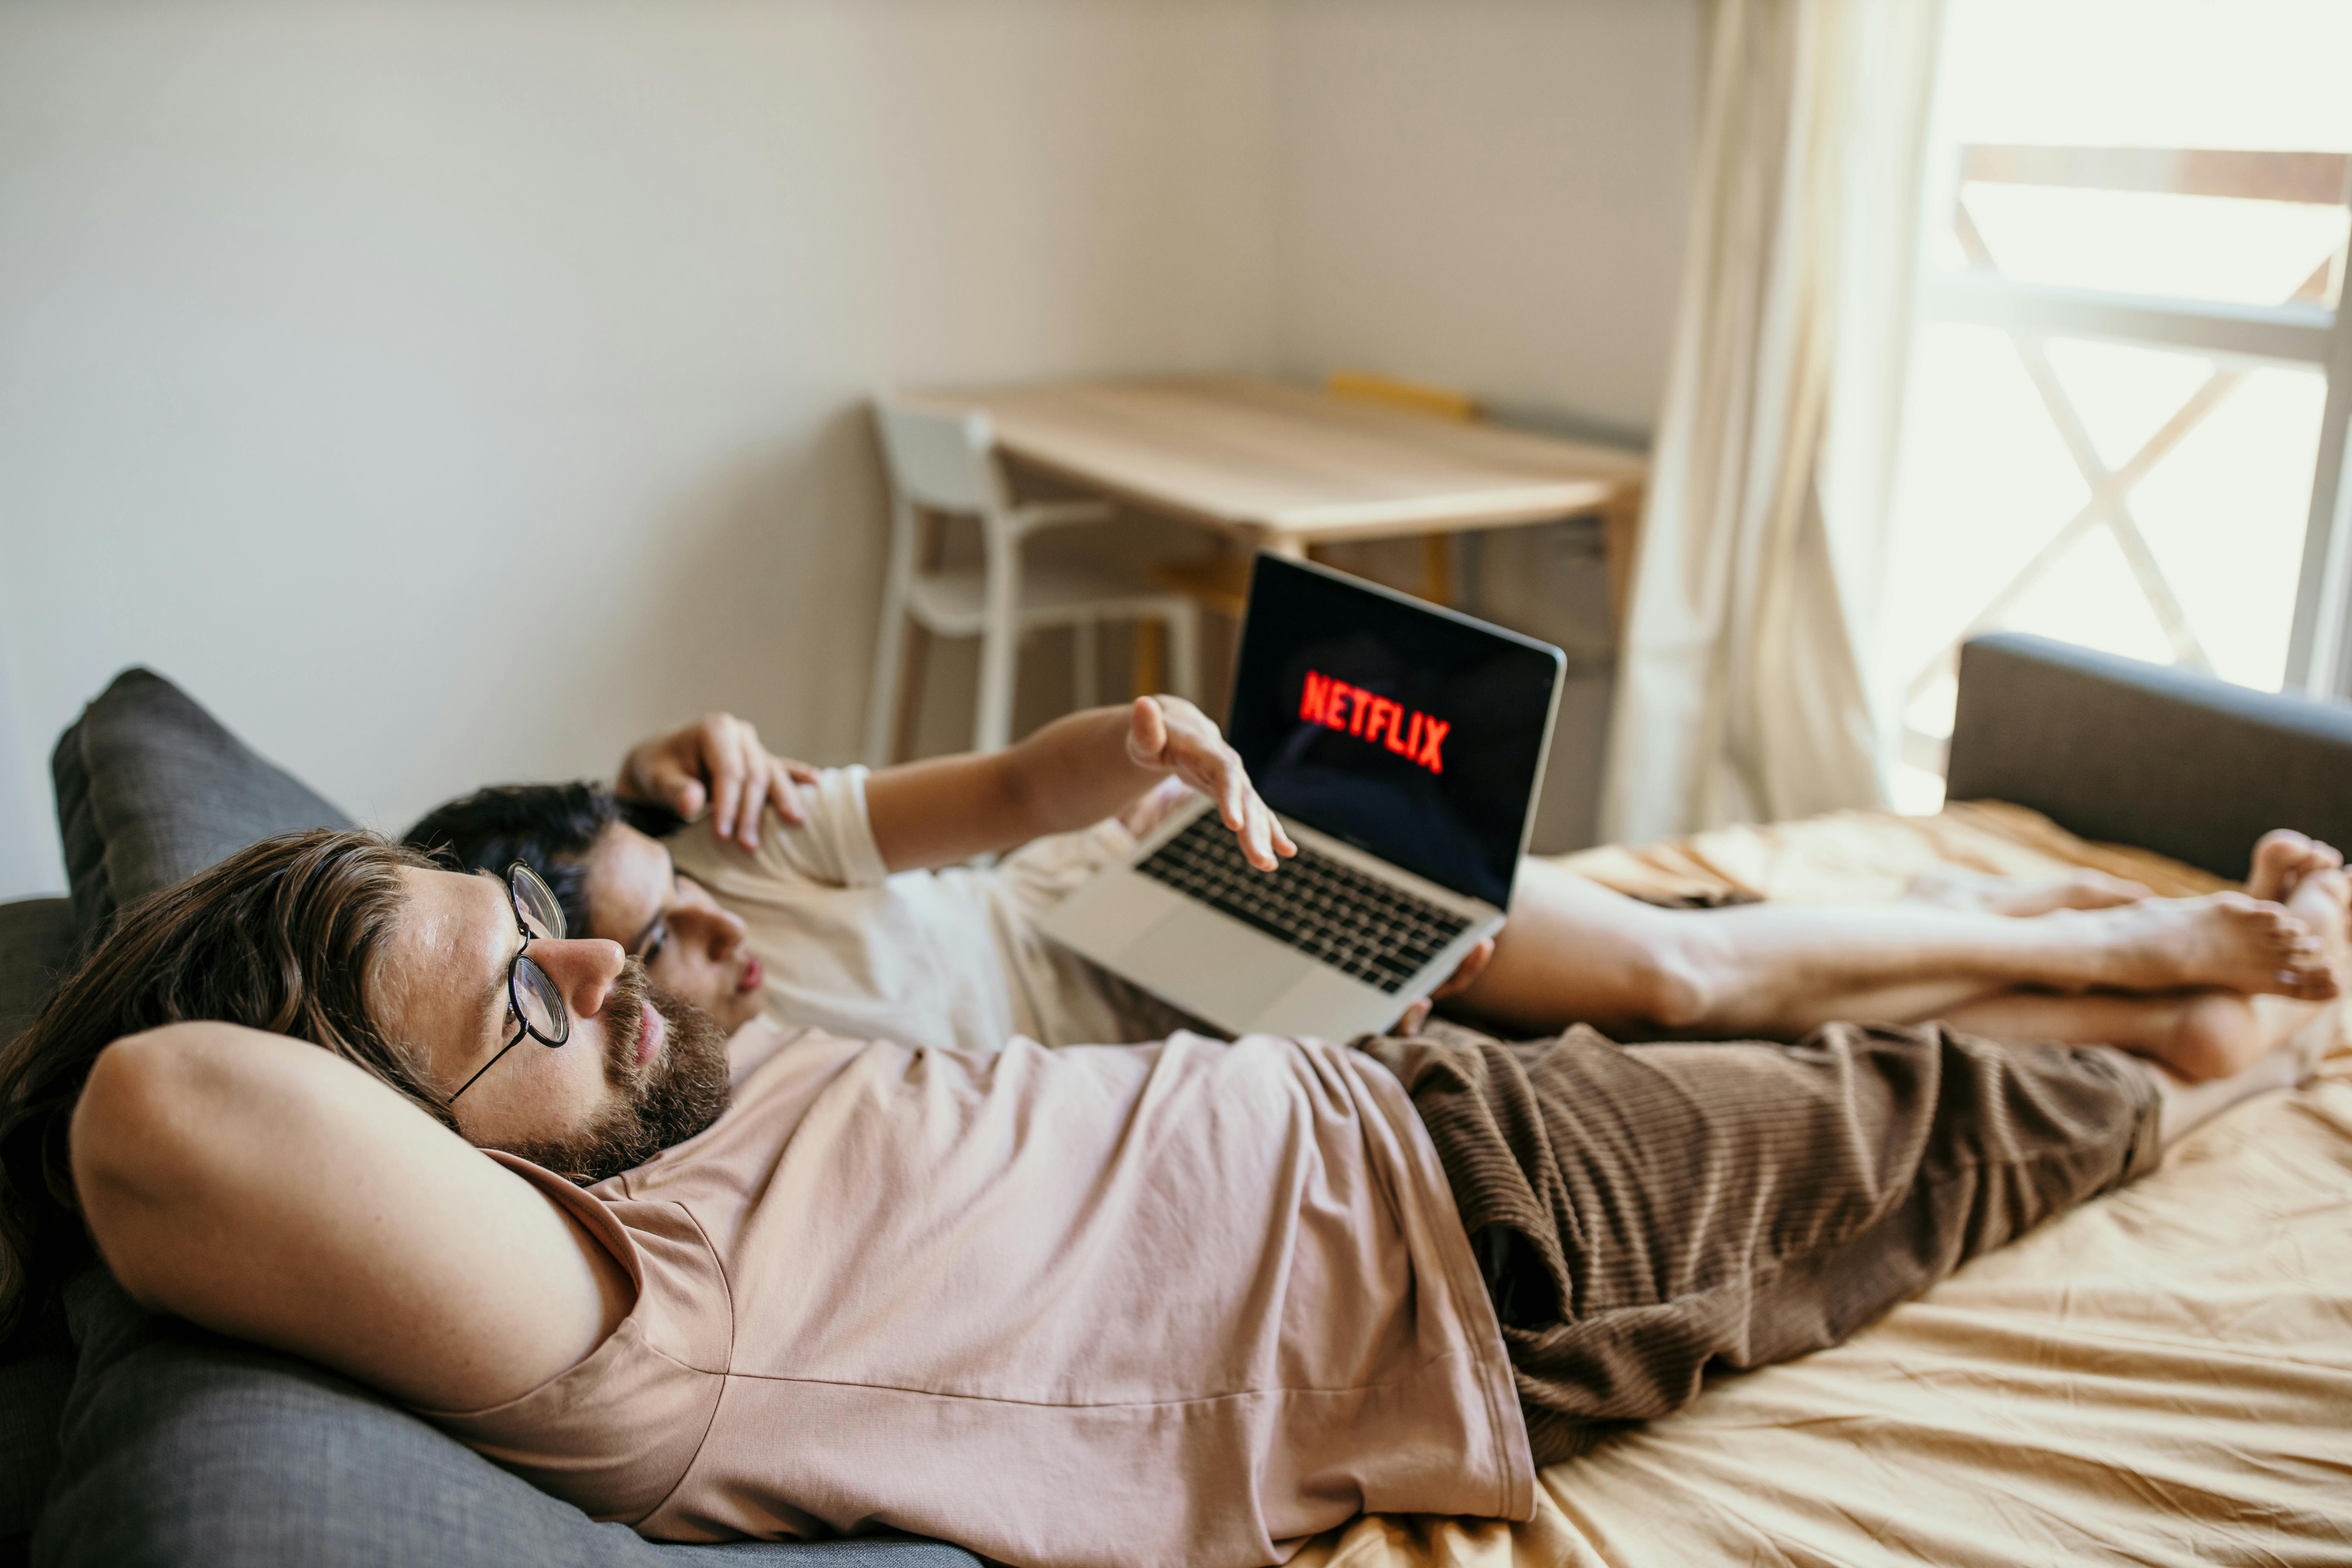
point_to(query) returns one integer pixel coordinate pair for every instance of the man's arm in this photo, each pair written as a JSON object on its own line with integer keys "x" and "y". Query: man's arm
{"x": 266, "y": 1189}
{"x": 1073, "y": 773}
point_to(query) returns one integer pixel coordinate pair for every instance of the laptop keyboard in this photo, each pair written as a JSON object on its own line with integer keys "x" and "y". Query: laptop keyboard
{"x": 1325, "y": 908}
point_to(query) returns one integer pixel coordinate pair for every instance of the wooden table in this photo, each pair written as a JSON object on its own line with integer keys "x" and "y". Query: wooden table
{"x": 1281, "y": 468}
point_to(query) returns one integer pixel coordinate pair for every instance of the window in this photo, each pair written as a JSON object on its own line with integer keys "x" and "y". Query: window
{"x": 2128, "y": 385}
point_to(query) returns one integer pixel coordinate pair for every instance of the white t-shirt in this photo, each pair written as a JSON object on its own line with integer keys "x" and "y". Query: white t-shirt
{"x": 948, "y": 959}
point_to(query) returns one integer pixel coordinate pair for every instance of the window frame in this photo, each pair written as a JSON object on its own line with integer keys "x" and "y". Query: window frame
{"x": 2301, "y": 333}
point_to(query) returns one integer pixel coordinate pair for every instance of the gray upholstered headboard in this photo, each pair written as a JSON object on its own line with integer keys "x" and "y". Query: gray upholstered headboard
{"x": 2141, "y": 753}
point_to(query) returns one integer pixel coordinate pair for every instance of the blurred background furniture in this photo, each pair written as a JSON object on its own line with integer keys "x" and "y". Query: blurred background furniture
{"x": 1221, "y": 582}
{"x": 1270, "y": 466}
{"x": 941, "y": 465}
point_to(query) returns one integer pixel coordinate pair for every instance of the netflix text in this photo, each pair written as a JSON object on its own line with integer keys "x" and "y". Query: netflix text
{"x": 1352, "y": 710}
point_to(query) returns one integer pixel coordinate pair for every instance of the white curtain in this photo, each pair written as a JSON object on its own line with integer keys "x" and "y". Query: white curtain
{"x": 1741, "y": 690}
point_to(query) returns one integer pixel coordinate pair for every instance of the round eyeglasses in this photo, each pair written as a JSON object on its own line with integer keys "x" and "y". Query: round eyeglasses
{"x": 534, "y": 1002}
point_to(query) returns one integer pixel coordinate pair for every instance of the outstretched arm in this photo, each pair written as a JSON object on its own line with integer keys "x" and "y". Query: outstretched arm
{"x": 263, "y": 1188}
{"x": 1074, "y": 772}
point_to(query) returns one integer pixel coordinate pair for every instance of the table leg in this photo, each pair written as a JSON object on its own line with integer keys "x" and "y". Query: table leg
{"x": 1437, "y": 568}
{"x": 1151, "y": 677}
{"x": 1620, "y": 538}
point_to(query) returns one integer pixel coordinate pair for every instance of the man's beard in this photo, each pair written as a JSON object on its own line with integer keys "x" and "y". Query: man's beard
{"x": 665, "y": 1102}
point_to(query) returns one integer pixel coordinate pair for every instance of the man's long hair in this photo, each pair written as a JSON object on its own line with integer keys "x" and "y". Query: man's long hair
{"x": 277, "y": 937}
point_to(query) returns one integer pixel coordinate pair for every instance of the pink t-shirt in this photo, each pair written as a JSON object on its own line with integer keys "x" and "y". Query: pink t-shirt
{"x": 1183, "y": 1303}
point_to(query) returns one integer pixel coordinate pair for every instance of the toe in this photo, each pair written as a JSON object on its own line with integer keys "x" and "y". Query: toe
{"x": 2272, "y": 918}
{"x": 2277, "y": 855}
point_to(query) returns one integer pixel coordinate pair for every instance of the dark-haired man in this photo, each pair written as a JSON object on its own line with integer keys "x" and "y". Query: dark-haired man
{"x": 818, "y": 917}
{"x": 1186, "y": 1302}
{"x": 854, "y": 915}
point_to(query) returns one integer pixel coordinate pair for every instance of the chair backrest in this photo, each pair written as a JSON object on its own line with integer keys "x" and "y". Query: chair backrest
{"x": 939, "y": 457}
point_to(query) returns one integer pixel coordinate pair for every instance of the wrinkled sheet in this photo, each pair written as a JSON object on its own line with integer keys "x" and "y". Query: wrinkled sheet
{"x": 2162, "y": 1376}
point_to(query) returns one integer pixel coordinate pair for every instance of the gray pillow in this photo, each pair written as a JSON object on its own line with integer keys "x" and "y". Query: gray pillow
{"x": 37, "y": 943}
{"x": 183, "y": 1448}
{"x": 151, "y": 789}
{"x": 32, "y": 1401}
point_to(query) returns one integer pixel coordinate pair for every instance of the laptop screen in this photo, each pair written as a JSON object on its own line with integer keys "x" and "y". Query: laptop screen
{"x": 1409, "y": 731}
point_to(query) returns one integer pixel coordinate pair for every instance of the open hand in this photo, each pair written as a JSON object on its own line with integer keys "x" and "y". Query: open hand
{"x": 1466, "y": 973}
{"x": 1170, "y": 733}
{"x": 715, "y": 761}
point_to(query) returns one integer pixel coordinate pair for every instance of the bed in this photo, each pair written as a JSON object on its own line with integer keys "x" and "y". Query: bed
{"x": 2163, "y": 1376}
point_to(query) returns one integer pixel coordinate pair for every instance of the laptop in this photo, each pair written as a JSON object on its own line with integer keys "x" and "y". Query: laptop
{"x": 1403, "y": 746}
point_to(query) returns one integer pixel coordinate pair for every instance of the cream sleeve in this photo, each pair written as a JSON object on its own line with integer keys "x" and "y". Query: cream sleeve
{"x": 833, "y": 847}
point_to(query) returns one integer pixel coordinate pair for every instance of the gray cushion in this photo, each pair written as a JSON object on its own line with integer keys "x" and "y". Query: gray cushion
{"x": 150, "y": 789}
{"x": 37, "y": 943}
{"x": 32, "y": 1400}
{"x": 2167, "y": 759}
{"x": 183, "y": 1448}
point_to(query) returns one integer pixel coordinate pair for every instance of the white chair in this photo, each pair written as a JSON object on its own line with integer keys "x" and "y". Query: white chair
{"x": 940, "y": 461}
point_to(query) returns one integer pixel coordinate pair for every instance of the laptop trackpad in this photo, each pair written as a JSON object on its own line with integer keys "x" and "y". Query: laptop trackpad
{"x": 1223, "y": 969}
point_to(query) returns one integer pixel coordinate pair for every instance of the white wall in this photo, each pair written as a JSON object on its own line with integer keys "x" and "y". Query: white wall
{"x": 445, "y": 392}
{"x": 1488, "y": 195}
{"x": 448, "y": 392}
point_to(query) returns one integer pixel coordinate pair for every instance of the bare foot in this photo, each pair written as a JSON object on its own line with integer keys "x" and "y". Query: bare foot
{"x": 2323, "y": 901}
{"x": 2023, "y": 895}
{"x": 2229, "y": 940}
{"x": 2283, "y": 857}
{"x": 2227, "y": 1048}
{"x": 2203, "y": 1034}
{"x": 2215, "y": 1034}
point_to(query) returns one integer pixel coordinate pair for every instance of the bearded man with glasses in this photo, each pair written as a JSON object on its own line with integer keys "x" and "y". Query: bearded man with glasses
{"x": 668, "y": 1073}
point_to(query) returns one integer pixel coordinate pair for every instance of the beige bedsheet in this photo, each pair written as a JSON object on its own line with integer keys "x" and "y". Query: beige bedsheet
{"x": 2162, "y": 1376}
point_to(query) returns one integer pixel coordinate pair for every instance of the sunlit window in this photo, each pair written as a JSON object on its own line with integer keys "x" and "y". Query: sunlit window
{"x": 2134, "y": 245}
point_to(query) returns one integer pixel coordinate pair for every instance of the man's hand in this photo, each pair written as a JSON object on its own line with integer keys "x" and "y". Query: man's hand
{"x": 1155, "y": 806}
{"x": 1464, "y": 975}
{"x": 1169, "y": 733}
{"x": 716, "y": 761}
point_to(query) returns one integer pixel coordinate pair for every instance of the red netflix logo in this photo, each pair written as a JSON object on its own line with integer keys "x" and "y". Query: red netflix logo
{"x": 1352, "y": 710}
